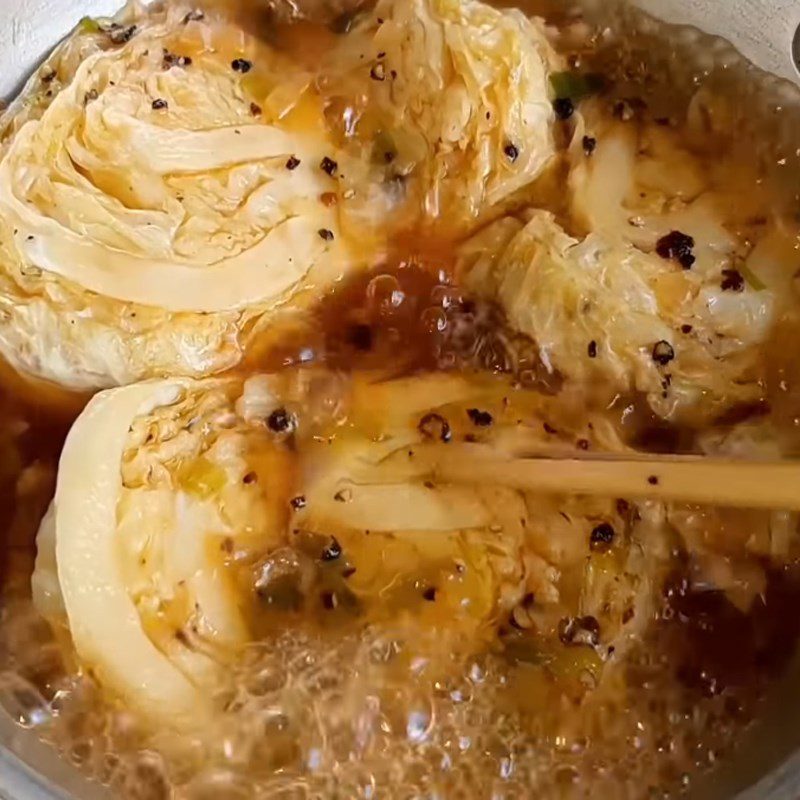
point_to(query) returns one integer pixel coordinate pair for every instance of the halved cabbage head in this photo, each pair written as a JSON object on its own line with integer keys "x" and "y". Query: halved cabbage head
{"x": 192, "y": 518}
{"x": 456, "y": 98}
{"x": 161, "y": 190}
{"x": 611, "y": 318}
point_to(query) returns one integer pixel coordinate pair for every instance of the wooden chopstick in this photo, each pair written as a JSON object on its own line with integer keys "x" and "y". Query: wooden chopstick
{"x": 690, "y": 479}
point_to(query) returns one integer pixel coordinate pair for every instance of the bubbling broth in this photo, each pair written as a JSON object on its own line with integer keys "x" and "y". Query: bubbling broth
{"x": 317, "y": 614}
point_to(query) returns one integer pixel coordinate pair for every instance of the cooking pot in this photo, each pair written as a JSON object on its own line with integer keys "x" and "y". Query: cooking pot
{"x": 767, "y": 32}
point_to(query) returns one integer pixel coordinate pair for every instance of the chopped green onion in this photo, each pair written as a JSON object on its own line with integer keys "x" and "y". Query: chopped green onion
{"x": 89, "y": 25}
{"x": 752, "y": 279}
{"x": 576, "y": 85}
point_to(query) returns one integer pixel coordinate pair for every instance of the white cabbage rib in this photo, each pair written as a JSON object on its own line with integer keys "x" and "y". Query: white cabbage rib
{"x": 104, "y": 622}
{"x": 566, "y": 293}
{"x": 138, "y": 241}
{"x": 464, "y": 98}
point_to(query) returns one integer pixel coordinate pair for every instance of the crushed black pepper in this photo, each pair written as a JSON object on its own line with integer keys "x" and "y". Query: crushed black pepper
{"x": 280, "y": 421}
{"x": 583, "y": 444}
{"x": 255, "y": 109}
{"x": 732, "y": 281}
{"x": 332, "y": 551}
{"x": 325, "y": 234}
{"x": 579, "y": 631}
{"x": 378, "y": 72}
{"x": 653, "y": 480}
{"x": 241, "y": 65}
{"x": 429, "y": 594}
{"x": 512, "y": 152}
{"x": 601, "y": 537}
{"x": 686, "y": 328}
{"x": 298, "y": 502}
{"x": 564, "y": 107}
{"x": 480, "y": 418}
{"x": 589, "y": 145}
{"x": 173, "y": 60}
{"x": 435, "y": 426}
{"x": 194, "y": 16}
{"x": 159, "y": 104}
{"x": 677, "y": 246}
{"x": 592, "y": 349}
{"x": 329, "y": 166}
{"x": 663, "y": 352}
{"x": 292, "y": 162}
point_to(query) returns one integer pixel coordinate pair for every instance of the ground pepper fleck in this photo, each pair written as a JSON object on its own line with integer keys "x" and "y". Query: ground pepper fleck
{"x": 592, "y": 349}
{"x": 589, "y": 145}
{"x": 292, "y": 162}
{"x": 325, "y": 234}
{"x": 512, "y": 152}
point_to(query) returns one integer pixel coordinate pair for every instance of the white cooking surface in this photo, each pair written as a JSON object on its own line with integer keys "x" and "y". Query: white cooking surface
{"x": 761, "y": 29}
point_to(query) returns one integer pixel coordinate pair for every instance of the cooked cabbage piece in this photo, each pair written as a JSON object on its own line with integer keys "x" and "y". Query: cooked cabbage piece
{"x": 455, "y": 96}
{"x": 611, "y": 318}
{"x": 192, "y": 518}
{"x": 162, "y": 191}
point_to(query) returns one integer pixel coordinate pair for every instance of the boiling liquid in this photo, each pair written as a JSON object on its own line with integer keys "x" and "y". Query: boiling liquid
{"x": 387, "y": 711}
